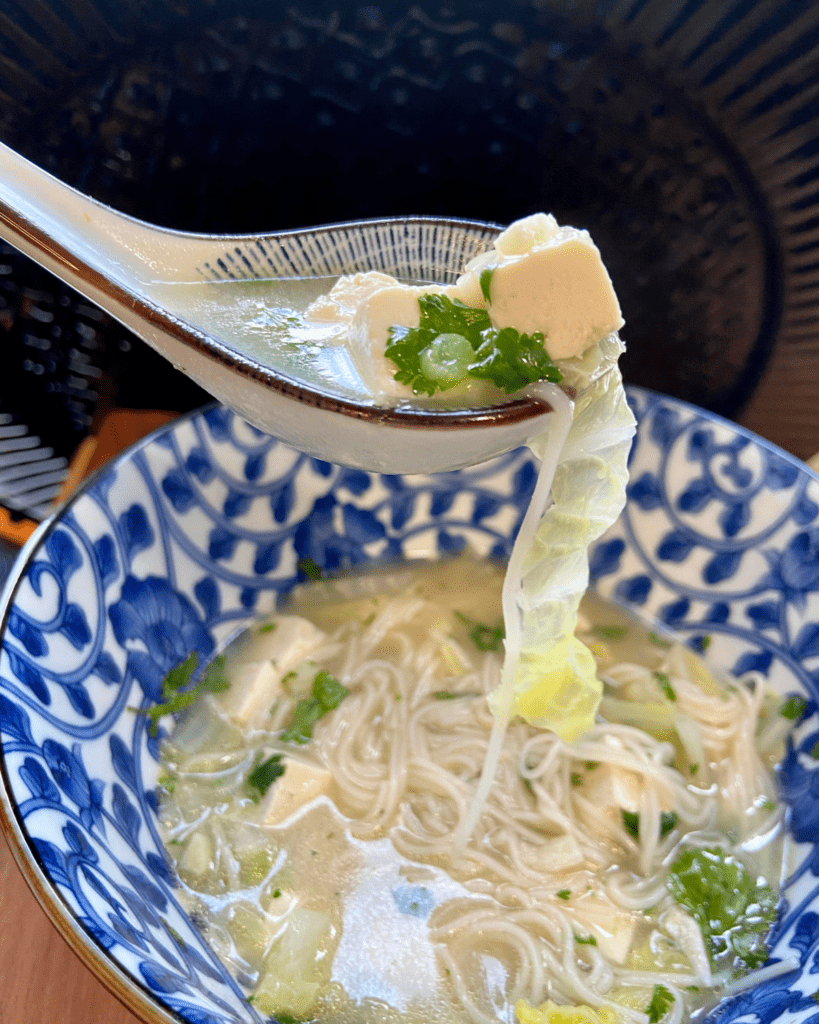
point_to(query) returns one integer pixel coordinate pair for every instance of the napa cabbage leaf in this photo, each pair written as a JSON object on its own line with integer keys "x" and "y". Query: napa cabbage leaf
{"x": 550, "y": 677}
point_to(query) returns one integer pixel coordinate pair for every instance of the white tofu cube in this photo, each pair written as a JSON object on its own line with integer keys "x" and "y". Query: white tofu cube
{"x": 563, "y": 853}
{"x": 253, "y": 688}
{"x": 615, "y": 788}
{"x": 301, "y": 783}
{"x": 346, "y": 296}
{"x": 369, "y": 333}
{"x": 560, "y": 288}
{"x": 612, "y": 928}
{"x": 256, "y": 683}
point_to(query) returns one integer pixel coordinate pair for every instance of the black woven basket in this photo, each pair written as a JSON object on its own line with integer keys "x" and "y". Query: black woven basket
{"x": 683, "y": 133}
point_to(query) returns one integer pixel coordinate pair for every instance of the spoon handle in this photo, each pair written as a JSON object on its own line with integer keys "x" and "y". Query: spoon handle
{"x": 63, "y": 230}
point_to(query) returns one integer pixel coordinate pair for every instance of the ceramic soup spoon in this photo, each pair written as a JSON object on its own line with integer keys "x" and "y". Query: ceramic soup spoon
{"x": 153, "y": 281}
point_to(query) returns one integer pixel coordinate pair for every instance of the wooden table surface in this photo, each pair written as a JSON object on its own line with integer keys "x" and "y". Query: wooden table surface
{"x": 41, "y": 980}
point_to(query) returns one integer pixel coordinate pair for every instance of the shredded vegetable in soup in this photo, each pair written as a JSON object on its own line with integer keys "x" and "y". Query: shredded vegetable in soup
{"x": 311, "y": 811}
{"x": 447, "y": 792}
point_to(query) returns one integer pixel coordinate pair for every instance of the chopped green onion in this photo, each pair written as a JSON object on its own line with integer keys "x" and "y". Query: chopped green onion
{"x": 665, "y": 685}
{"x": 610, "y": 632}
{"x": 485, "y": 638}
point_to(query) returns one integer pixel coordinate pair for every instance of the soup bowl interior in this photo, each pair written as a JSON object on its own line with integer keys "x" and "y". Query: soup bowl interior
{"x": 196, "y": 532}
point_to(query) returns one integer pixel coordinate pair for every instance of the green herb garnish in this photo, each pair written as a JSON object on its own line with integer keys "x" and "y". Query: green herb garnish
{"x": 733, "y": 909}
{"x": 610, "y": 632}
{"x": 450, "y": 695}
{"x": 575, "y": 778}
{"x": 175, "y": 698}
{"x": 486, "y": 283}
{"x": 453, "y": 341}
{"x": 174, "y": 934}
{"x": 631, "y": 822}
{"x": 661, "y": 1002}
{"x": 564, "y": 894}
{"x": 659, "y": 641}
{"x": 327, "y": 694}
{"x": 665, "y": 685}
{"x": 585, "y": 940}
{"x": 793, "y": 708}
{"x": 485, "y": 638}
{"x": 307, "y": 567}
{"x": 267, "y": 627}
{"x": 264, "y": 775}
{"x": 511, "y": 360}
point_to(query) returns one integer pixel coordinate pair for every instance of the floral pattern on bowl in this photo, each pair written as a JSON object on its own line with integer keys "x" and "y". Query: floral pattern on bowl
{"x": 186, "y": 538}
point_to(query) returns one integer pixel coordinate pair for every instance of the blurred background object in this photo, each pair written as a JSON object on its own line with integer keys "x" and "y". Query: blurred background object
{"x": 684, "y": 134}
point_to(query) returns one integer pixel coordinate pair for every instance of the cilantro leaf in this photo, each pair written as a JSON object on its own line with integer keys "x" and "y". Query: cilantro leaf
{"x": 485, "y": 638}
{"x": 327, "y": 694}
{"x": 264, "y": 775}
{"x": 511, "y": 360}
{"x": 661, "y": 1002}
{"x": 508, "y": 359}
{"x": 733, "y": 909}
{"x": 176, "y": 698}
{"x": 443, "y": 315}
{"x": 180, "y": 675}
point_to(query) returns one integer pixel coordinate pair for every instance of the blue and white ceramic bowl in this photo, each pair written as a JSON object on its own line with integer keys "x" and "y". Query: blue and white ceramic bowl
{"x": 194, "y": 532}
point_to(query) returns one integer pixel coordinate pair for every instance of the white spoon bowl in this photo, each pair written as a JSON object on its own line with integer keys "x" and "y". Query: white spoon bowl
{"x": 126, "y": 266}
